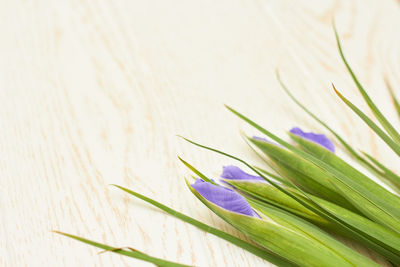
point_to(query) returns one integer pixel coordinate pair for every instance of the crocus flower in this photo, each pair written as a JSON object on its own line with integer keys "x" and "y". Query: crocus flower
{"x": 320, "y": 139}
{"x": 235, "y": 173}
{"x": 224, "y": 198}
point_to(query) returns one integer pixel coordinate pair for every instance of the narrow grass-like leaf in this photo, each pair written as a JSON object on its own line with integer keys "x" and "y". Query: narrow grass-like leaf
{"x": 291, "y": 238}
{"x": 394, "y": 99}
{"x": 392, "y": 144}
{"x": 377, "y": 113}
{"x": 275, "y": 177}
{"x": 358, "y": 235}
{"x": 131, "y": 253}
{"x": 394, "y": 178}
{"x": 262, "y": 253}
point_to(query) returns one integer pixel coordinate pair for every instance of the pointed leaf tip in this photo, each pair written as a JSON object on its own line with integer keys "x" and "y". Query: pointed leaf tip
{"x": 197, "y": 172}
{"x": 337, "y": 92}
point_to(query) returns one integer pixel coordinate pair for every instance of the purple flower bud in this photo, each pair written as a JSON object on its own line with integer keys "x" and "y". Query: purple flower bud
{"x": 235, "y": 173}
{"x": 320, "y": 139}
{"x": 224, "y": 198}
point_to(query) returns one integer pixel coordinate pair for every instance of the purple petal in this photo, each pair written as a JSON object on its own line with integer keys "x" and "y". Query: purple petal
{"x": 224, "y": 198}
{"x": 261, "y": 139}
{"x": 320, "y": 139}
{"x": 235, "y": 173}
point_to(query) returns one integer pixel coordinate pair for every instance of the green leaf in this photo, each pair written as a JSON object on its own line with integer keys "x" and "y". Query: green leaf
{"x": 262, "y": 253}
{"x": 275, "y": 177}
{"x": 394, "y": 99}
{"x": 131, "y": 253}
{"x": 394, "y": 178}
{"x": 291, "y": 237}
{"x": 392, "y": 144}
{"x": 378, "y": 114}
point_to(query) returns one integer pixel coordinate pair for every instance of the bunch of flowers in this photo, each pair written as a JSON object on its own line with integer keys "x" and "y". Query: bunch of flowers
{"x": 305, "y": 196}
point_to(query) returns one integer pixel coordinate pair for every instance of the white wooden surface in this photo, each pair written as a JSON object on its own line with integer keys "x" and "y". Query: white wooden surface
{"x": 94, "y": 92}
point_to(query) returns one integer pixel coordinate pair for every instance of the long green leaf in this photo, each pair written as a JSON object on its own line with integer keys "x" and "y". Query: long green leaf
{"x": 275, "y": 177}
{"x": 392, "y": 144}
{"x": 262, "y": 253}
{"x": 131, "y": 253}
{"x": 378, "y": 114}
{"x": 394, "y": 178}
{"x": 394, "y": 99}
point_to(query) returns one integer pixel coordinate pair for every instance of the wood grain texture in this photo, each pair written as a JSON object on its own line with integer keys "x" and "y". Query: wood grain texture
{"x": 94, "y": 92}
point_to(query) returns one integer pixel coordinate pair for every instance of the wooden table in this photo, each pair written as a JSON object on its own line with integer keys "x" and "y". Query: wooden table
{"x": 95, "y": 92}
